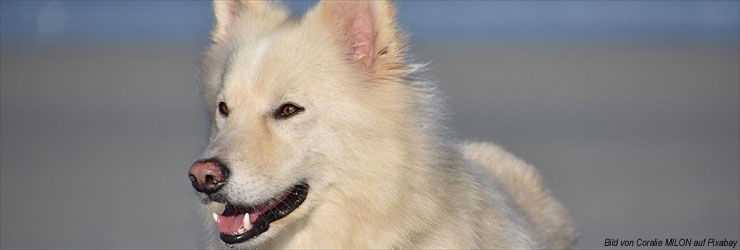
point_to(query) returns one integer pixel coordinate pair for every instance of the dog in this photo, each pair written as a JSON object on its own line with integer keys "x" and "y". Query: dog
{"x": 324, "y": 135}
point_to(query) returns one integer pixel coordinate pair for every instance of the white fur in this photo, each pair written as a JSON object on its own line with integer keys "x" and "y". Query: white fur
{"x": 382, "y": 169}
{"x": 259, "y": 53}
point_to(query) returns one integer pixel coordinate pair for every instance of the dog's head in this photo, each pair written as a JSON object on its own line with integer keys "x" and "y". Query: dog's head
{"x": 294, "y": 102}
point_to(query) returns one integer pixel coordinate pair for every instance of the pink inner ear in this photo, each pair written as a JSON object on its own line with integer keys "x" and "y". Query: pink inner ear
{"x": 234, "y": 7}
{"x": 225, "y": 13}
{"x": 361, "y": 35}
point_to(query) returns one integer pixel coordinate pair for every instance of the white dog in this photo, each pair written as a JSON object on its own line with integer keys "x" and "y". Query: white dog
{"x": 324, "y": 138}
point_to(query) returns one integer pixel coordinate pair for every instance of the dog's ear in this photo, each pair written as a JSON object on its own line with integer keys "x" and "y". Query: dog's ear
{"x": 227, "y": 12}
{"x": 368, "y": 30}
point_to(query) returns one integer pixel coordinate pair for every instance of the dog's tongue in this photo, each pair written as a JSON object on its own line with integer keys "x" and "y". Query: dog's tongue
{"x": 230, "y": 223}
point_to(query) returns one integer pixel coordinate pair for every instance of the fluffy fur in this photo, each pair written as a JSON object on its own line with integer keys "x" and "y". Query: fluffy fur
{"x": 382, "y": 171}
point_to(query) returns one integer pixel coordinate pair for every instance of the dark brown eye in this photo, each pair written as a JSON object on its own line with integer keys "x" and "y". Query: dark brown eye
{"x": 223, "y": 109}
{"x": 287, "y": 110}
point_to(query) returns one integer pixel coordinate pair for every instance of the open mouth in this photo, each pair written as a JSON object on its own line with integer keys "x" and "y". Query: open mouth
{"x": 239, "y": 223}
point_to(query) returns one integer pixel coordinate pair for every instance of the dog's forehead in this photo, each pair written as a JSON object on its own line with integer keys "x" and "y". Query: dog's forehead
{"x": 245, "y": 62}
{"x": 268, "y": 56}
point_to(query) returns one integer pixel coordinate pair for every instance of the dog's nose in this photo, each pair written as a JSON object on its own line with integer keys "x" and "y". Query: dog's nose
{"x": 208, "y": 175}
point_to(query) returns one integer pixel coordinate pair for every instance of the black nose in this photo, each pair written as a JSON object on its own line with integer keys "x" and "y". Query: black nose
{"x": 208, "y": 175}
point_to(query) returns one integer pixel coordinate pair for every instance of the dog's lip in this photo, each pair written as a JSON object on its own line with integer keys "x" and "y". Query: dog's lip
{"x": 268, "y": 212}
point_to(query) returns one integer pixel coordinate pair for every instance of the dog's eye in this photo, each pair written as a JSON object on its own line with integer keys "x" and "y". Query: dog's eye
{"x": 223, "y": 109}
{"x": 287, "y": 110}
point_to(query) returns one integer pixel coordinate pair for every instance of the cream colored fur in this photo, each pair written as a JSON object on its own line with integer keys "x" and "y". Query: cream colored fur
{"x": 382, "y": 171}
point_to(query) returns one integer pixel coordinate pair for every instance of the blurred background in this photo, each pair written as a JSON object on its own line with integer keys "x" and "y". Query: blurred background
{"x": 630, "y": 109}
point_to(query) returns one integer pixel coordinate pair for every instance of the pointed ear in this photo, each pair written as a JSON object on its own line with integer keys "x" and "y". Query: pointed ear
{"x": 367, "y": 29}
{"x": 227, "y": 12}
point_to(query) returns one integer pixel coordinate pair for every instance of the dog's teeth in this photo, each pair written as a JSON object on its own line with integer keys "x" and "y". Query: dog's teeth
{"x": 215, "y": 217}
{"x": 247, "y": 223}
{"x": 240, "y": 231}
